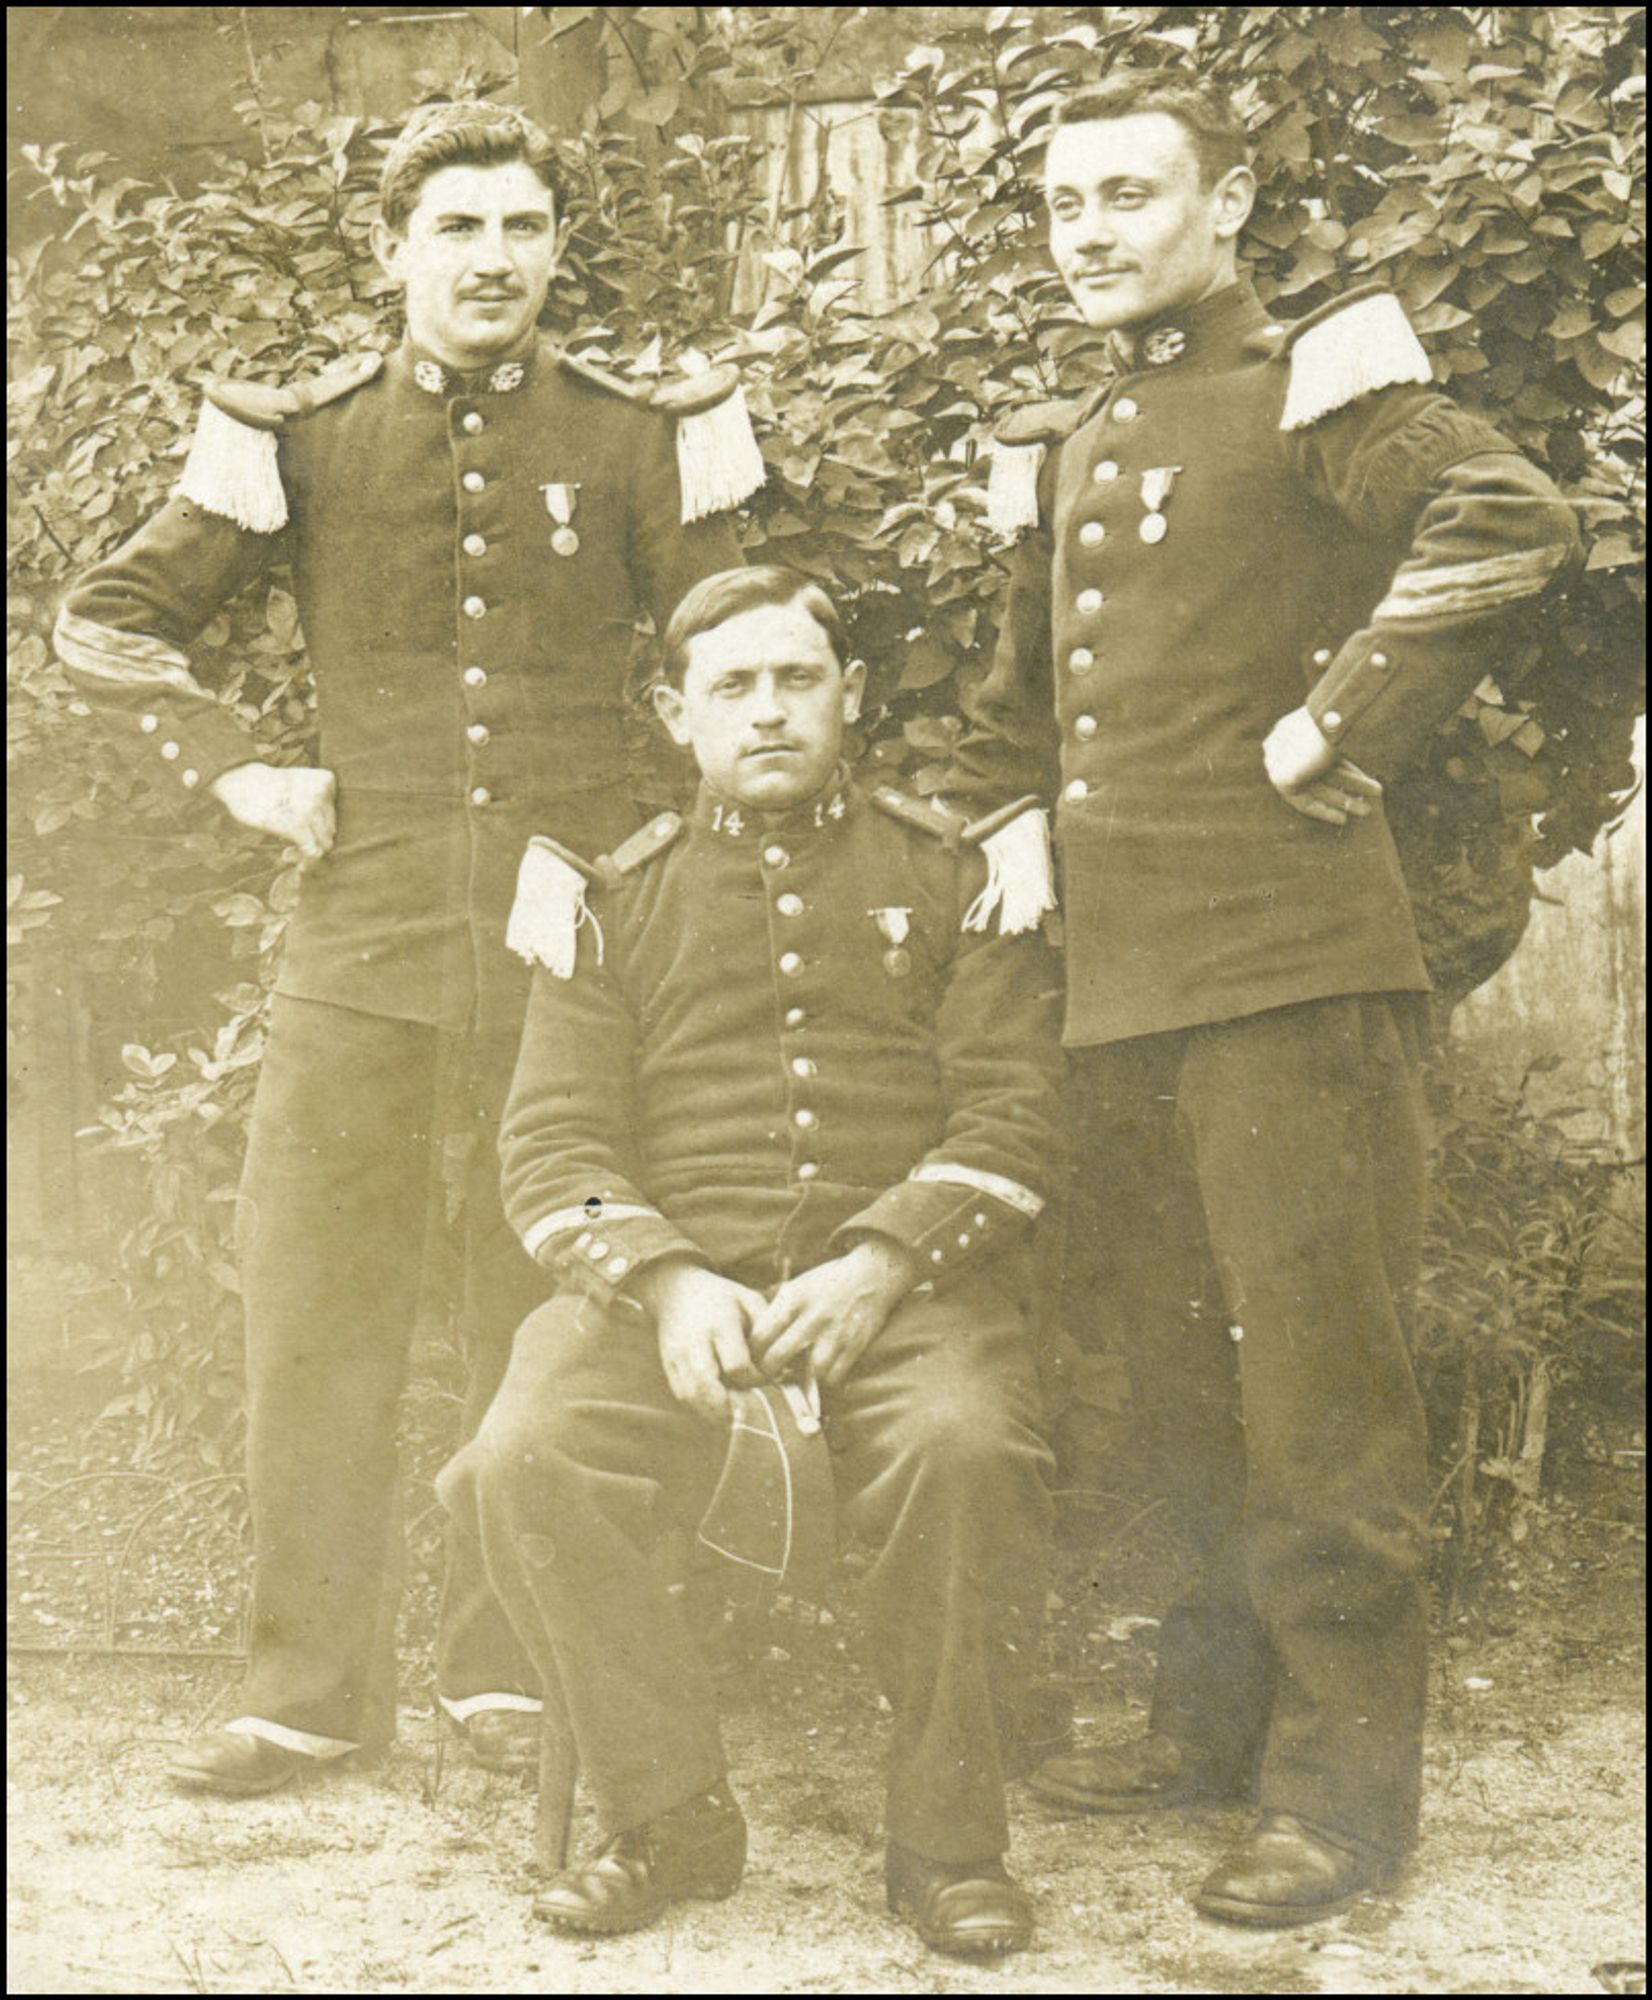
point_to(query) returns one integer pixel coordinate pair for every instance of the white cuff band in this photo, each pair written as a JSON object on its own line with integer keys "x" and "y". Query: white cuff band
{"x": 999, "y": 1186}
{"x": 589, "y": 1215}
{"x": 468, "y": 1705}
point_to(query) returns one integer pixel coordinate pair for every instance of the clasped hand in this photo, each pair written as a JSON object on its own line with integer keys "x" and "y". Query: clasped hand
{"x": 716, "y": 1334}
{"x": 1306, "y": 772}
{"x": 294, "y": 803}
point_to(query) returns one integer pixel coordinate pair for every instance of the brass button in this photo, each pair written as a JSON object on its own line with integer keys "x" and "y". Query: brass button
{"x": 790, "y": 964}
{"x": 473, "y": 422}
{"x": 598, "y": 1251}
{"x": 794, "y": 1017}
{"x": 937, "y": 1256}
{"x": 775, "y": 857}
{"x": 169, "y": 751}
{"x": 618, "y": 1266}
{"x": 1092, "y": 534}
{"x": 805, "y": 1120}
{"x": 803, "y": 1066}
{"x": 1077, "y": 790}
{"x": 481, "y": 796}
{"x": 150, "y": 724}
{"x": 189, "y": 779}
{"x": 1080, "y": 660}
{"x": 478, "y": 732}
{"x": 1379, "y": 659}
{"x": 807, "y": 1170}
{"x": 1322, "y": 656}
{"x": 476, "y": 677}
{"x": 1086, "y": 726}
{"x": 1088, "y": 602}
{"x": 475, "y": 607}
{"x": 1332, "y": 719}
{"x": 789, "y": 905}
{"x": 473, "y": 482}
{"x": 1106, "y": 472}
{"x": 1126, "y": 410}
{"x": 475, "y": 545}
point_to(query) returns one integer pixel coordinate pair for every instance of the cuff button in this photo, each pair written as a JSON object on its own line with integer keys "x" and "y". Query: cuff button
{"x": 1333, "y": 719}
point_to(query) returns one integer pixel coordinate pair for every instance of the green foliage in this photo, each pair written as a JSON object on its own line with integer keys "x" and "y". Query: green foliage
{"x": 1483, "y": 161}
{"x": 1533, "y": 1277}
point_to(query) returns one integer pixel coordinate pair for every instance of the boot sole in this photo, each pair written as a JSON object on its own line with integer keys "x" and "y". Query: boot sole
{"x": 983, "y": 1945}
{"x": 228, "y": 1788}
{"x": 1165, "y": 1798}
{"x": 1276, "y": 1916}
{"x": 597, "y": 1926}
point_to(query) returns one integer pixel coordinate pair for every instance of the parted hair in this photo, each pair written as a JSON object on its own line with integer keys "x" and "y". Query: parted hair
{"x": 714, "y": 600}
{"x": 467, "y": 132}
{"x": 1205, "y": 113}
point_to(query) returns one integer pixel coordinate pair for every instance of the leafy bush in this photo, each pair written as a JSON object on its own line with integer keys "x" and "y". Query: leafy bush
{"x": 1482, "y": 161}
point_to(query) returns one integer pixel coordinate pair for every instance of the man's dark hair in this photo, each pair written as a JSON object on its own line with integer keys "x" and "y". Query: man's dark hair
{"x": 1204, "y": 112}
{"x": 714, "y": 600}
{"x": 465, "y": 133}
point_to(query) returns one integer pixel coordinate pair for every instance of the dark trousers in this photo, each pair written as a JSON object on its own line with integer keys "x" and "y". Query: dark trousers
{"x": 335, "y": 1196}
{"x": 1283, "y": 1151}
{"x": 585, "y": 1460}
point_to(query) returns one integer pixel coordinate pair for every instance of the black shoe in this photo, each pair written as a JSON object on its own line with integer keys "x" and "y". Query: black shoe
{"x": 970, "y": 1909}
{"x": 1141, "y": 1776}
{"x": 239, "y": 1767}
{"x": 1288, "y": 1873}
{"x": 501, "y": 1739}
{"x": 696, "y": 1850}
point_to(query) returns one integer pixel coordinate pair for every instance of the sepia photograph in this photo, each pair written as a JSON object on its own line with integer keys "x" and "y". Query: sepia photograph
{"x": 826, "y": 1137}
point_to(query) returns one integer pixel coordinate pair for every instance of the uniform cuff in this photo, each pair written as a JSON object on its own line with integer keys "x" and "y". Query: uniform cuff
{"x": 601, "y": 1256}
{"x": 1363, "y": 672}
{"x": 946, "y": 1216}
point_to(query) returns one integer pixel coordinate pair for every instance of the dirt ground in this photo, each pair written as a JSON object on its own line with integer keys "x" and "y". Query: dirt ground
{"x": 415, "y": 1877}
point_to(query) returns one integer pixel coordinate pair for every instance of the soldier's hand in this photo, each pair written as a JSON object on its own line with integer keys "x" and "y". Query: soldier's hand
{"x": 703, "y": 1321}
{"x": 1306, "y": 772}
{"x": 294, "y": 804}
{"x": 833, "y": 1313}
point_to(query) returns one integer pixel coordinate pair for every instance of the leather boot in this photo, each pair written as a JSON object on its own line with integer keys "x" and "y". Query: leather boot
{"x": 1140, "y": 1776}
{"x": 1287, "y": 1872}
{"x": 968, "y": 1909}
{"x": 696, "y": 1850}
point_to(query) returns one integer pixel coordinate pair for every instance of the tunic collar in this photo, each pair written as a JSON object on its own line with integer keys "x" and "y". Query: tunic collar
{"x": 1208, "y": 330}
{"x": 822, "y": 814}
{"x": 435, "y": 378}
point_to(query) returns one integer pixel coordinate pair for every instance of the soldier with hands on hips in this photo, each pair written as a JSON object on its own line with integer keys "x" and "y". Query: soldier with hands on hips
{"x": 1256, "y": 570}
{"x": 787, "y": 1097}
{"x": 474, "y": 525}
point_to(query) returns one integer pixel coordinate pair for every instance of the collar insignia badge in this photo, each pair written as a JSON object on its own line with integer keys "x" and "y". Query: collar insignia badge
{"x": 1162, "y": 345}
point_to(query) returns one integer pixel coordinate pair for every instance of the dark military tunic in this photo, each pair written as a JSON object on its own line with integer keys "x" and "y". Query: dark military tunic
{"x": 1200, "y": 573}
{"x": 778, "y": 1038}
{"x": 789, "y": 1039}
{"x": 469, "y": 650}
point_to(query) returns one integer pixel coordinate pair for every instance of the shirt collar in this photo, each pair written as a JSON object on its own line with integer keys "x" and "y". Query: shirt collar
{"x": 1206, "y": 330}
{"x": 435, "y": 378}
{"x": 822, "y": 814}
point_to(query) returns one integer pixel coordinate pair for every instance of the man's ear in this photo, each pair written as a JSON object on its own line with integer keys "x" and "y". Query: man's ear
{"x": 388, "y": 245}
{"x": 854, "y": 689}
{"x": 1232, "y": 199}
{"x": 670, "y": 708}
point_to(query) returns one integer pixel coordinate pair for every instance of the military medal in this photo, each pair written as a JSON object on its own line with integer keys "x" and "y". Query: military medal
{"x": 559, "y": 504}
{"x": 1156, "y": 483}
{"x": 895, "y": 927}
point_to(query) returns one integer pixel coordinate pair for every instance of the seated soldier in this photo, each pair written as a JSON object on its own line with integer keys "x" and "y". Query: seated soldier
{"x": 787, "y": 1092}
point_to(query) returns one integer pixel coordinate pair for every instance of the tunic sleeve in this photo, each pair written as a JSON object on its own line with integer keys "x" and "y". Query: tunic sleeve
{"x": 1484, "y": 533}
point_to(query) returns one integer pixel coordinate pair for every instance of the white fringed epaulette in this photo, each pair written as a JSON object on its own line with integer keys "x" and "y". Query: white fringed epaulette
{"x": 1015, "y": 843}
{"x": 549, "y": 907}
{"x": 233, "y": 468}
{"x": 718, "y": 462}
{"x": 1349, "y": 348}
{"x": 1020, "y": 440}
{"x": 1020, "y": 885}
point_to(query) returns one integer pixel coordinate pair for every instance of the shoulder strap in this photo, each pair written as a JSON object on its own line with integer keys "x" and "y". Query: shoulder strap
{"x": 937, "y": 821}
{"x": 641, "y": 847}
{"x": 1349, "y": 348}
